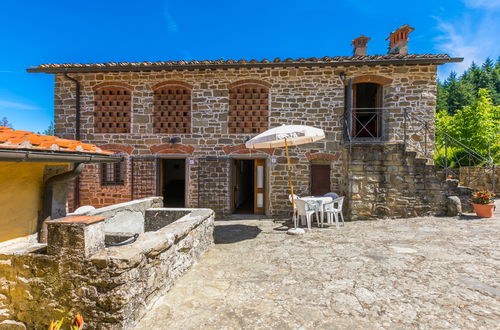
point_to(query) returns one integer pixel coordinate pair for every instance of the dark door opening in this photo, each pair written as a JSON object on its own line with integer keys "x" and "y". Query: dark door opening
{"x": 243, "y": 186}
{"x": 173, "y": 175}
{"x": 320, "y": 179}
{"x": 367, "y": 103}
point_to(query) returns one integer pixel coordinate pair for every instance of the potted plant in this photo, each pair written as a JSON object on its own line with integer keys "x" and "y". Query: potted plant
{"x": 483, "y": 202}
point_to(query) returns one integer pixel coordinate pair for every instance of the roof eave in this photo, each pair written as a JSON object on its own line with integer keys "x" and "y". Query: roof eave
{"x": 17, "y": 155}
{"x": 121, "y": 68}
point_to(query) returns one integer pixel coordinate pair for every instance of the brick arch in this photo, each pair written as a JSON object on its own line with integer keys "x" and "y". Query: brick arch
{"x": 123, "y": 148}
{"x": 172, "y": 148}
{"x": 322, "y": 156}
{"x": 114, "y": 84}
{"x": 249, "y": 82}
{"x": 171, "y": 83}
{"x": 371, "y": 78}
{"x": 240, "y": 149}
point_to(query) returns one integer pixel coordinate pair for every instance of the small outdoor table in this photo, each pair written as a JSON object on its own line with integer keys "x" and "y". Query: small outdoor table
{"x": 318, "y": 202}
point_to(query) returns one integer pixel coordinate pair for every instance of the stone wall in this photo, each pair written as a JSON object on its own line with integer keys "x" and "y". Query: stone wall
{"x": 386, "y": 181}
{"x": 125, "y": 217}
{"x": 110, "y": 287}
{"x": 479, "y": 178}
{"x": 310, "y": 96}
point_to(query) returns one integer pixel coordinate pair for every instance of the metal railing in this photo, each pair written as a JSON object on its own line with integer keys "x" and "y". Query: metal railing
{"x": 364, "y": 124}
{"x": 454, "y": 157}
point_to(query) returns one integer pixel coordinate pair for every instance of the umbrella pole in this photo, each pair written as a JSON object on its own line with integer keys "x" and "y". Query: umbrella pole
{"x": 291, "y": 184}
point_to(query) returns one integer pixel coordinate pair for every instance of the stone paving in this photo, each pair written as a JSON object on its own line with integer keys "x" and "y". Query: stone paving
{"x": 407, "y": 273}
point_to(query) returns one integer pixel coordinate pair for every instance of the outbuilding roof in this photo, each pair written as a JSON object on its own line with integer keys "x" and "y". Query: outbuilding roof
{"x": 396, "y": 59}
{"x": 16, "y": 144}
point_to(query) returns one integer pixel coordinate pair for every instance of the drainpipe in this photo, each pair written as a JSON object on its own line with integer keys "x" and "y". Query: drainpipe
{"x": 49, "y": 193}
{"x": 76, "y": 194}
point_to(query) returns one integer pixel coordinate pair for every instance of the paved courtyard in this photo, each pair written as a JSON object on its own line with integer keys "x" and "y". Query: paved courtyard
{"x": 407, "y": 273}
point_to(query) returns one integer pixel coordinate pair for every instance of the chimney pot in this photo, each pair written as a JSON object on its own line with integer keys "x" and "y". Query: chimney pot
{"x": 398, "y": 40}
{"x": 360, "y": 44}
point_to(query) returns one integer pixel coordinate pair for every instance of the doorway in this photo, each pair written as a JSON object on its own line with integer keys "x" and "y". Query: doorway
{"x": 367, "y": 102}
{"x": 320, "y": 179}
{"x": 248, "y": 187}
{"x": 173, "y": 182}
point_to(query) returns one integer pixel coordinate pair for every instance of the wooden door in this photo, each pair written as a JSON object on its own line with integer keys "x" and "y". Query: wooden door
{"x": 320, "y": 179}
{"x": 259, "y": 186}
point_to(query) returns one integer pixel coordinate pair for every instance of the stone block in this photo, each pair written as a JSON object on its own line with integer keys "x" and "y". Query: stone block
{"x": 75, "y": 236}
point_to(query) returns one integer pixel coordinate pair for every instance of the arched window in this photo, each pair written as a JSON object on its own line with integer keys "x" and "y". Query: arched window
{"x": 248, "y": 107}
{"x": 172, "y": 108}
{"x": 112, "y": 108}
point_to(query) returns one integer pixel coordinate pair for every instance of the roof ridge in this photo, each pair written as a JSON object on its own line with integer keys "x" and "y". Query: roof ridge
{"x": 222, "y": 61}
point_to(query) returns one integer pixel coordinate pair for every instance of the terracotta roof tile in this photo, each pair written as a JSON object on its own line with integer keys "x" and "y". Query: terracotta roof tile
{"x": 243, "y": 62}
{"x": 15, "y": 139}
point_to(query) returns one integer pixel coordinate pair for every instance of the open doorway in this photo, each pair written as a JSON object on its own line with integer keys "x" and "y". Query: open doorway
{"x": 173, "y": 182}
{"x": 248, "y": 188}
{"x": 243, "y": 186}
{"x": 367, "y": 102}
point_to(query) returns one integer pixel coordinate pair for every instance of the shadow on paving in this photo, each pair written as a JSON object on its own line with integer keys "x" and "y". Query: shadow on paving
{"x": 226, "y": 234}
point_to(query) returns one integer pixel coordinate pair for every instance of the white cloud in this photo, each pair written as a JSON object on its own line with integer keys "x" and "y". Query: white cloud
{"x": 172, "y": 25}
{"x": 490, "y": 4}
{"x": 474, "y": 38}
{"x": 10, "y": 105}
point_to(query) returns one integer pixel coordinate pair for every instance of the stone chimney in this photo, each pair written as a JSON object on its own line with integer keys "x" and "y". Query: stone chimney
{"x": 360, "y": 45}
{"x": 398, "y": 40}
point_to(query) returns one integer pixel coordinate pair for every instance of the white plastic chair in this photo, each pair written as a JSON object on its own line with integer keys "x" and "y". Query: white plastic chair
{"x": 294, "y": 214}
{"x": 334, "y": 209}
{"x": 306, "y": 209}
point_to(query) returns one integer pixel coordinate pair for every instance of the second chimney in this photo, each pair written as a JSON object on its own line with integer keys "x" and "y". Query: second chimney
{"x": 398, "y": 40}
{"x": 360, "y": 45}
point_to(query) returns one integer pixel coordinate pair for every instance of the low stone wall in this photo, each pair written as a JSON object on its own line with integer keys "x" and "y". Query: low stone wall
{"x": 125, "y": 217}
{"x": 385, "y": 181}
{"x": 111, "y": 287}
{"x": 479, "y": 178}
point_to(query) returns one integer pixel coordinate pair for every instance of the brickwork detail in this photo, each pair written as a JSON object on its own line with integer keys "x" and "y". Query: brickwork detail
{"x": 172, "y": 108}
{"x": 112, "y": 109}
{"x": 322, "y": 156}
{"x": 248, "y": 108}
{"x": 172, "y": 148}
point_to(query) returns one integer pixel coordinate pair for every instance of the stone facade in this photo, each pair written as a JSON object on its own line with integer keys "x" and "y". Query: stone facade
{"x": 389, "y": 182}
{"x": 297, "y": 95}
{"x": 110, "y": 287}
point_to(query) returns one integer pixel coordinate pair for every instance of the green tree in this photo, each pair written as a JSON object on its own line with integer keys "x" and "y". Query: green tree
{"x": 476, "y": 126}
{"x": 5, "y": 122}
{"x": 50, "y": 129}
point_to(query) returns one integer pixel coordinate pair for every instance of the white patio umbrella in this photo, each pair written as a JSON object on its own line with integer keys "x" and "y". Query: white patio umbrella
{"x": 285, "y": 136}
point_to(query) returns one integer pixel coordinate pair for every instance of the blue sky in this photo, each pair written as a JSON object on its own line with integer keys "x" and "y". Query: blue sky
{"x": 35, "y": 32}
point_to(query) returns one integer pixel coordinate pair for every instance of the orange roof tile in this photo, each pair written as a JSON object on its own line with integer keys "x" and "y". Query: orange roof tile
{"x": 15, "y": 139}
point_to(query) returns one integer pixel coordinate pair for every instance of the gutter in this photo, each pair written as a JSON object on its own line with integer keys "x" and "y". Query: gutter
{"x": 76, "y": 200}
{"x": 7, "y": 155}
{"x": 171, "y": 67}
{"x": 48, "y": 210}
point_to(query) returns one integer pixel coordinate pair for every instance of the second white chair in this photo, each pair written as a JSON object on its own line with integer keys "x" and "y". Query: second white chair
{"x": 334, "y": 209}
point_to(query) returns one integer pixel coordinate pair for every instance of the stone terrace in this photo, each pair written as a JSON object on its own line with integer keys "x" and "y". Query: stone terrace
{"x": 409, "y": 273}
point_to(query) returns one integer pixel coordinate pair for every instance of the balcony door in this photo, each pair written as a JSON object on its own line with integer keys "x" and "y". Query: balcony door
{"x": 366, "y": 110}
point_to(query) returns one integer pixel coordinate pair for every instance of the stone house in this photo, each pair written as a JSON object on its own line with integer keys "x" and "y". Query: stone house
{"x": 182, "y": 127}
